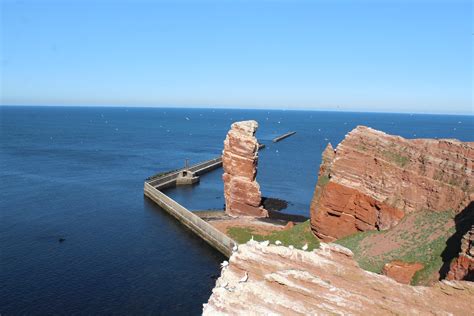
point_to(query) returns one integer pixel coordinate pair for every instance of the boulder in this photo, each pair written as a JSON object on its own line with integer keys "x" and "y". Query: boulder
{"x": 400, "y": 271}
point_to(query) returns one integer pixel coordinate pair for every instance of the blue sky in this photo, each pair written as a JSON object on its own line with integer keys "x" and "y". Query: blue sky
{"x": 388, "y": 56}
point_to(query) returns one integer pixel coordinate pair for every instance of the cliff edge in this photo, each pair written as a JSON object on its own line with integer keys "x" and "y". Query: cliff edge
{"x": 372, "y": 179}
{"x": 264, "y": 279}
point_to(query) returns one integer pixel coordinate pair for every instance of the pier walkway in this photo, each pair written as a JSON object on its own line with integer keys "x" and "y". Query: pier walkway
{"x": 153, "y": 187}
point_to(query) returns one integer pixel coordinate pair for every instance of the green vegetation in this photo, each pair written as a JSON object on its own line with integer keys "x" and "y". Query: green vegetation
{"x": 419, "y": 237}
{"x": 297, "y": 236}
{"x": 323, "y": 180}
{"x": 396, "y": 158}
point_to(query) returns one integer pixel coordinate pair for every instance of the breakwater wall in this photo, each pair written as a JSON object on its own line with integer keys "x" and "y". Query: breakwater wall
{"x": 203, "y": 229}
{"x": 152, "y": 189}
{"x": 282, "y": 137}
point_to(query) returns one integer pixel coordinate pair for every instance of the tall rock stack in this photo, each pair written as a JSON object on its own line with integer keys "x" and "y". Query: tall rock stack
{"x": 239, "y": 159}
{"x": 372, "y": 179}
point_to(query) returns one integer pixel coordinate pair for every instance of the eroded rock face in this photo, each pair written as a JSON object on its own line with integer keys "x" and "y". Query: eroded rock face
{"x": 400, "y": 271}
{"x": 372, "y": 179}
{"x": 239, "y": 158}
{"x": 462, "y": 268}
{"x": 275, "y": 280}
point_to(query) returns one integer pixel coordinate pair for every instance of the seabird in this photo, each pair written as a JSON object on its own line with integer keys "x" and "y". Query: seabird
{"x": 224, "y": 264}
{"x": 291, "y": 247}
{"x": 305, "y": 247}
{"x": 277, "y": 242}
{"x": 235, "y": 248}
{"x": 244, "y": 278}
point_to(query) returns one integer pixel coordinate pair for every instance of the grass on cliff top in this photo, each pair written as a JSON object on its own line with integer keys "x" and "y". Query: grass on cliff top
{"x": 419, "y": 237}
{"x": 297, "y": 236}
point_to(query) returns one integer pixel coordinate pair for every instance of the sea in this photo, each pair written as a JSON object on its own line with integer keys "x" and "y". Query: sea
{"x": 77, "y": 236}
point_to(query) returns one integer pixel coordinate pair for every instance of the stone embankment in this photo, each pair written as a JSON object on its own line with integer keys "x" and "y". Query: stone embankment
{"x": 372, "y": 179}
{"x": 239, "y": 158}
{"x": 264, "y": 279}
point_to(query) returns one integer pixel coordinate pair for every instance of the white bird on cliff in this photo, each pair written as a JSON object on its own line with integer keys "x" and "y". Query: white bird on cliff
{"x": 224, "y": 264}
{"x": 265, "y": 243}
{"x": 244, "y": 278}
{"x": 235, "y": 248}
{"x": 278, "y": 243}
{"x": 224, "y": 285}
{"x": 291, "y": 247}
{"x": 251, "y": 239}
{"x": 305, "y": 247}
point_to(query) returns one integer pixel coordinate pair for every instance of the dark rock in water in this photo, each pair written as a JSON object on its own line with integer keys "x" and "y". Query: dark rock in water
{"x": 273, "y": 204}
{"x": 62, "y": 239}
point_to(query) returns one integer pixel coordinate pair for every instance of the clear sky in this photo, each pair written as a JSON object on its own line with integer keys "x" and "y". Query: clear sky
{"x": 395, "y": 56}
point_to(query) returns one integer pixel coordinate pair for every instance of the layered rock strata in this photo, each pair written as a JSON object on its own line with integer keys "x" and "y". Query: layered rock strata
{"x": 239, "y": 158}
{"x": 266, "y": 279}
{"x": 462, "y": 268}
{"x": 372, "y": 179}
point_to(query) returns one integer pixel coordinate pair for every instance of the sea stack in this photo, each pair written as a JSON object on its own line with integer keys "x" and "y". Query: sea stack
{"x": 372, "y": 179}
{"x": 239, "y": 158}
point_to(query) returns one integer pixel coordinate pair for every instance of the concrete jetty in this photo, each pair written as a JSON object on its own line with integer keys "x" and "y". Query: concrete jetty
{"x": 153, "y": 187}
{"x": 189, "y": 175}
{"x": 282, "y": 137}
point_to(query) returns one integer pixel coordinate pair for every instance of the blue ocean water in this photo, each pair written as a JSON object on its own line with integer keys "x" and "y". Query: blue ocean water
{"x": 77, "y": 173}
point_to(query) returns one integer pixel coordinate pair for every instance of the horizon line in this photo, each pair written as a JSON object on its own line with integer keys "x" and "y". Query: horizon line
{"x": 220, "y": 107}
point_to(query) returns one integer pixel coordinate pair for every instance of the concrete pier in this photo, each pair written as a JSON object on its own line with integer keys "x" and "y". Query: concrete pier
{"x": 282, "y": 137}
{"x": 153, "y": 187}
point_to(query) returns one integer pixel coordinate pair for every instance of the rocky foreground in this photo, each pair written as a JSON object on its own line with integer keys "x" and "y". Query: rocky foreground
{"x": 372, "y": 179}
{"x": 264, "y": 279}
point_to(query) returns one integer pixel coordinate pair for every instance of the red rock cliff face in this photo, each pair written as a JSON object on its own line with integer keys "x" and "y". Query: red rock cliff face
{"x": 239, "y": 159}
{"x": 372, "y": 179}
{"x": 462, "y": 268}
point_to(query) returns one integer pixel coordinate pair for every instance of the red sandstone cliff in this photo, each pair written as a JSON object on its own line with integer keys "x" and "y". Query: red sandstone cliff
{"x": 239, "y": 158}
{"x": 275, "y": 280}
{"x": 372, "y": 179}
{"x": 462, "y": 268}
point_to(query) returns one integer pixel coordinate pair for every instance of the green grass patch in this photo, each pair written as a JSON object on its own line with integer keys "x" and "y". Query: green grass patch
{"x": 421, "y": 237}
{"x": 323, "y": 180}
{"x": 396, "y": 158}
{"x": 297, "y": 236}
